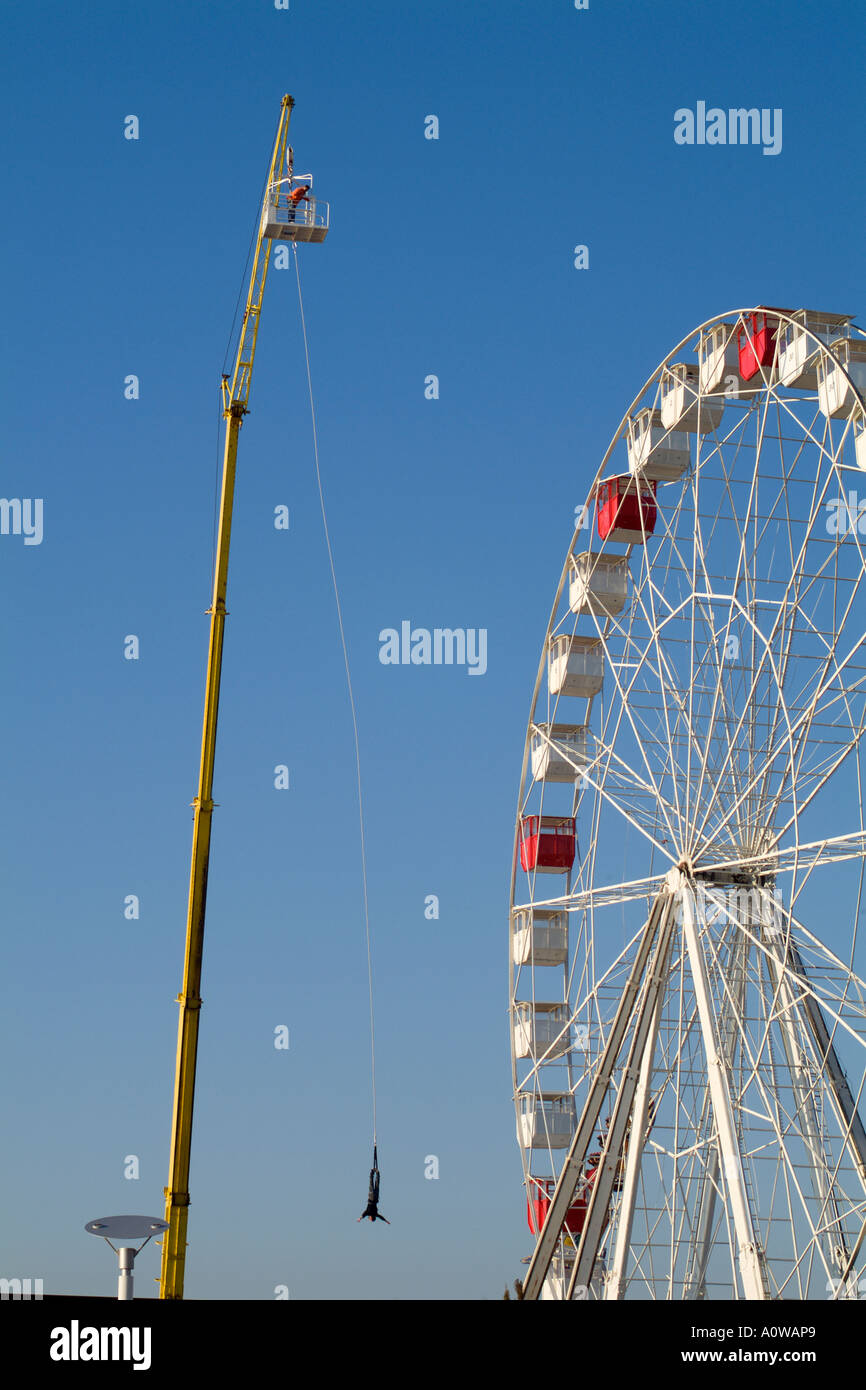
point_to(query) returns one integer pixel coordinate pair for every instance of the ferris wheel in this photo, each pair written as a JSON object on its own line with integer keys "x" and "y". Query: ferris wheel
{"x": 688, "y": 1026}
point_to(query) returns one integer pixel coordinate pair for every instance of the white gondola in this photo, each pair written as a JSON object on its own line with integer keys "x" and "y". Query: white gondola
{"x": 798, "y": 351}
{"x": 719, "y": 361}
{"x": 575, "y": 666}
{"x": 541, "y": 1030}
{"x": 546, "y": 1119}
{"x": 683, "y": 408}
{"x": 282, "y": 222}
{"x": 539, "y": 936}
{"x": 860, "y": 442}
{"x": 598, "y": 584}
{"x": 836, "y": 396}
{"x": 655, "y": 452}
{"x": 559, "y": 752}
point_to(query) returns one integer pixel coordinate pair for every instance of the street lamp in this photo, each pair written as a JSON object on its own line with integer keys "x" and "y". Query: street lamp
{"x": 126, "y": 1229}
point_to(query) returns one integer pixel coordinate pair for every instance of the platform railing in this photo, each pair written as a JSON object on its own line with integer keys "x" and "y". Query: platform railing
{"x": 311, "y": 213}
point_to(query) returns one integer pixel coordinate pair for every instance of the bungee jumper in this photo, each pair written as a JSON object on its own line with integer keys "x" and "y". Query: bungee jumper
{"x": 371, "y": 1211}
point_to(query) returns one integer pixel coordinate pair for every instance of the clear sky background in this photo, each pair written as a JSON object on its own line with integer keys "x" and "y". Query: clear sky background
{"x": 452, "y": 256}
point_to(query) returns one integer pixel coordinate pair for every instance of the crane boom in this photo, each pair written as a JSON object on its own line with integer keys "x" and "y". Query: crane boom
{"x": 235, "y": 397}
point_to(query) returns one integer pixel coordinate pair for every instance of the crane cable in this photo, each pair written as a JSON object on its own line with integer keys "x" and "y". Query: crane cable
{"x": 349, "y": 684}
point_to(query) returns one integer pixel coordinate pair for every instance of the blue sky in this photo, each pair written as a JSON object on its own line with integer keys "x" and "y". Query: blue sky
{"x": 453, "y": 257}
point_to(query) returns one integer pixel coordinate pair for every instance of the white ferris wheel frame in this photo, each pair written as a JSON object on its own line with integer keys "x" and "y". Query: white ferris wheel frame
{"x": 670, "y": 892}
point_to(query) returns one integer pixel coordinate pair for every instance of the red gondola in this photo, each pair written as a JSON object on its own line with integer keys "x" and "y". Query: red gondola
{"x": 547, "y": 843}
{"x": 538, "y": 1204}
{"x": 626, "y": 509}
{"x": 756, "y": 344}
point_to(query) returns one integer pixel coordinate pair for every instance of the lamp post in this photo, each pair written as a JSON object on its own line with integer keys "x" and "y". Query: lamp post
{"x": 126, "y": 1229}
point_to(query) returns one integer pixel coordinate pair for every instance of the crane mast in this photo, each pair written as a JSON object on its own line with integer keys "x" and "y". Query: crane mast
{"x": 235, "y": 395}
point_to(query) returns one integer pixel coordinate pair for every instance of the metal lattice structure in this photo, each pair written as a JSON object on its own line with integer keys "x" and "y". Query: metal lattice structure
{"x": 688, "y": 1024}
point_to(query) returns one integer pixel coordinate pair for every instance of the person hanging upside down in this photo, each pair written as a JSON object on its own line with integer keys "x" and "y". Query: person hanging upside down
{"x": 371, "y": 1211}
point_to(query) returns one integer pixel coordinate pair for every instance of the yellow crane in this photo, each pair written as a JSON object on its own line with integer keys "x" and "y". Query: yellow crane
{"x": 288, "y": 214}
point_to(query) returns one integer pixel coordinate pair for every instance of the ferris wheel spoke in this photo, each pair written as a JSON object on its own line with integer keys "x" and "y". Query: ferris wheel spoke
{"x": 795, "y": 600}
{"x": 603, "y": 895}
{"x": 734, "y": 746}
{"x": 801, "y": 857}
{"x": 668, "y": 686}
{"x": 791, "y": 602}
{"x": 779, "y": 751}
{"x": 830, "y": 767}
{"x": 824, "y": 684}
{"x": 608, "y": 736}
{"x": 614, "y": 777}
